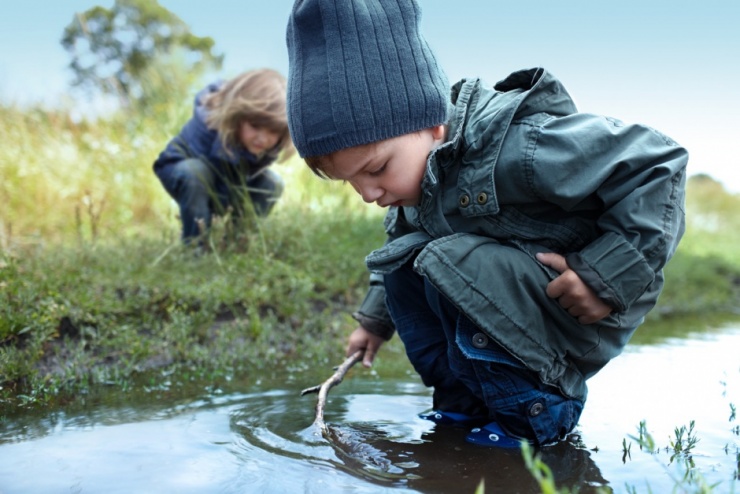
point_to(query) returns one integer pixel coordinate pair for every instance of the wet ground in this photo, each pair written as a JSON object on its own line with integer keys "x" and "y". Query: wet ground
{"x": 260, "y": 439}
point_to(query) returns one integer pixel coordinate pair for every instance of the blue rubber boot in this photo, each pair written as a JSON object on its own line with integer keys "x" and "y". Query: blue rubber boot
{"x": 452, "y": 418}
{"x": 491, "y": 434}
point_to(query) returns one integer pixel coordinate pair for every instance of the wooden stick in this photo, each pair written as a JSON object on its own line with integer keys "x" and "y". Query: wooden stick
{"x": 323, "y": 389}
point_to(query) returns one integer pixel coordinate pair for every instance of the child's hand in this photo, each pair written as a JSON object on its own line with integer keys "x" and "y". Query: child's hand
{"x": 362, "y": 339}
{"x": 572, "y": 293}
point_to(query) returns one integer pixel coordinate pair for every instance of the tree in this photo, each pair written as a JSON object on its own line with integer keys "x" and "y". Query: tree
{"x": 112, "y": 49}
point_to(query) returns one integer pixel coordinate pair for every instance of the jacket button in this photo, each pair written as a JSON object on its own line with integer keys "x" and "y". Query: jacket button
{"x": 536, "y": 409}
{"x": 480, "y": 340}
{"x": 482, "y": 198}
{"x": 464, "y": 200}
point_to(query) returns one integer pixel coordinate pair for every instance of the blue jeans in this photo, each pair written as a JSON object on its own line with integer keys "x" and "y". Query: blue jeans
{"x": 198, "y": 199}
{"x": 469, "y": 371}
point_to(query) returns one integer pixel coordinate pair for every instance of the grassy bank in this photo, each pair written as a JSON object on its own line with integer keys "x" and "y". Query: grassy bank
{"x": 96, "y": 288}
{"x": 78, "y": 316}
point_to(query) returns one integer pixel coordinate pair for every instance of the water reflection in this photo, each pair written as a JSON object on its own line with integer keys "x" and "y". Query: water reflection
{"x": 442, "y": 462}
{"x": 377, "y": 438}
{"x": 255, "y": 435}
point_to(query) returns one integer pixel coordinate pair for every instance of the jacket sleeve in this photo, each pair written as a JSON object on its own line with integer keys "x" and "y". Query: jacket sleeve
{"x": 635, "y": 177}
{"x": 194, "y": 140}
{"x": 373, "y": 313}
{"x": 175, "y": 152}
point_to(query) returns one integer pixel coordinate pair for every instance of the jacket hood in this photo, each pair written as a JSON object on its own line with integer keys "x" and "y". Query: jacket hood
{"x": 521, "y": 94}
{"x": 482, "y": 117}
{"x": 543, "y": 92}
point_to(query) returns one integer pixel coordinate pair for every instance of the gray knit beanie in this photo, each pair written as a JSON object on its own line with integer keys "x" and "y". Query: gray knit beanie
{"x": 359, "y": 72}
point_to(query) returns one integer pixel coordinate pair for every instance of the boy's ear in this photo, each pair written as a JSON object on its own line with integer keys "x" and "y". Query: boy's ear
{"x": 438, "y": 132}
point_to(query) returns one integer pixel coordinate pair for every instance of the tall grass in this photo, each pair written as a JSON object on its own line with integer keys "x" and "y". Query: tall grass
{"x": 90, "y": 252}
{"x": 703, "y": 279}
{"x": 67, "y": 181}
{"x": 713, "y": 222}
{"x": 95, "y": 285}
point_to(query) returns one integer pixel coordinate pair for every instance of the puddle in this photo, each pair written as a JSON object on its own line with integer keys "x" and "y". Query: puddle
{"x": 262, "y": 440}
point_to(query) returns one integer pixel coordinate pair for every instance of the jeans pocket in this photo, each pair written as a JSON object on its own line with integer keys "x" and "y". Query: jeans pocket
{"x": 552, "y": 417}
{"x": 523, "y": 406}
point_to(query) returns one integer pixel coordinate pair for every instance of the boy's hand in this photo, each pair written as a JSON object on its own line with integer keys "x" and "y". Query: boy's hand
{"x": 362, "y": 339}
{"x": 572, "y": 293}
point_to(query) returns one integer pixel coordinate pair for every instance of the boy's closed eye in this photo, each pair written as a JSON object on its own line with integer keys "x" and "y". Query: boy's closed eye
{"x": 378, "y": 171}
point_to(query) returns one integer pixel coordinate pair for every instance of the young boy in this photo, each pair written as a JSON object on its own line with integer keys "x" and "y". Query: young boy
{"x": 222, "y": 156}
{"x": 526, "y": 241}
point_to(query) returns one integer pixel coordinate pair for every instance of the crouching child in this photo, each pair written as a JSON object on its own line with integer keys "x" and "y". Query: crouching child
{"x": 526, "y": 241}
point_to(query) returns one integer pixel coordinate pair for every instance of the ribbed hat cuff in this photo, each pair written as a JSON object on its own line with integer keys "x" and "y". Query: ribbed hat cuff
{"x": 322, "y": 146}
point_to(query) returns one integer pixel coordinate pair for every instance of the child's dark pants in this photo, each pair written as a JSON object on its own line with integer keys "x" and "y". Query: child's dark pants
{"x": 469, "y": 371}
{"x": 198, "y": 200}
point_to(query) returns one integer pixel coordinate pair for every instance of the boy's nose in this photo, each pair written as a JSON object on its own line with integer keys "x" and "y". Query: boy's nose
{"x": 369, "y": 193}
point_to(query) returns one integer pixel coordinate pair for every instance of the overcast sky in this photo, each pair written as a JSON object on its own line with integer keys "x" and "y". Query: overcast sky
{"x": 670, "y": 64}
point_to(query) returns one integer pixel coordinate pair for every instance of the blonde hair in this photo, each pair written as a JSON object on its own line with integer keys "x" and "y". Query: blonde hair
{"x": 257, "y": 97}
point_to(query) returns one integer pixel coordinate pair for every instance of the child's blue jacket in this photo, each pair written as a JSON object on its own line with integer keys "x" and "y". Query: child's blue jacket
{"x": 196, "y": 140}
{"x": 523, "y": 172}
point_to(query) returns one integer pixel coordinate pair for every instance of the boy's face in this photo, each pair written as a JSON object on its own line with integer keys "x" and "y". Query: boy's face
{"x": 389, "y": 172}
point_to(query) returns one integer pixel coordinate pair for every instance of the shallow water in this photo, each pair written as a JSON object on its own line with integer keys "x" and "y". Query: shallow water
{"x": 262, "y": 439}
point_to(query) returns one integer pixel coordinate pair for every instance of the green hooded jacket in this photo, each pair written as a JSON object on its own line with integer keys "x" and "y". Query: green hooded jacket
{"x": 523, "y": 172}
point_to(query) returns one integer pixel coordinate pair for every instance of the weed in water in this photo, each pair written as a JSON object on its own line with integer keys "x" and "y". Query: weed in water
{"x": 481, "y": 489}
{"x": 689, "y": 478}
{"x": 644, "y": 438}
{"x": 684, "y": 443}
{"x": 544, "y": 476}
{"x": 626, "y": 450}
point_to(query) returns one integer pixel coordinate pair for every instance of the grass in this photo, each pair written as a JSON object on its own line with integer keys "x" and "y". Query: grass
{"x": 96, "y": 286}
{"x": 102, "y": 312}
{"x": 686, "y": 477}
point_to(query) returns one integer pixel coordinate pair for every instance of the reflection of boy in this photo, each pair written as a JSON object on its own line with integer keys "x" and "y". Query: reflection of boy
{"x": 526, "y": 241}
{"x": 222, "y": 154}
